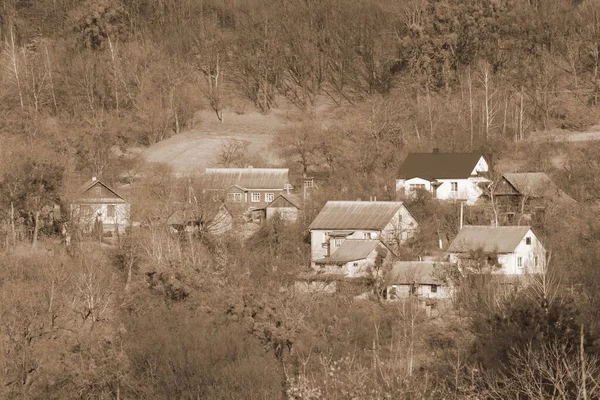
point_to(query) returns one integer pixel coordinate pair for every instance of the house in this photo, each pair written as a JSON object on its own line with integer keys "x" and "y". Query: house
{"x": 526, "y": 193}
{"x": 338, "y": 221}
{"x": 99, "y": 206}
{"x": 447, "y": 176}
{"x": 248, "y": 187}
{"x": 355, "y": 258}
{"x": 509, "y": 250}
{"x": 284, "y": 205}
{"x": 423, "y": 279}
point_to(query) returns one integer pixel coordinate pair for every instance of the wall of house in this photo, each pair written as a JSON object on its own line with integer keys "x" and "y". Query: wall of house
{"x": 87, "y": 214}
{"x": 247, "y": 197}
{"x": 528, "y": 254}
{"x": 403, "y": 186}
{"x": 354, "y": 269}
{"x": 468, "y": 189}
{"x": 287, "y": 214}
{"x": 401, "y": 227}
{"x": 399, "y": 291}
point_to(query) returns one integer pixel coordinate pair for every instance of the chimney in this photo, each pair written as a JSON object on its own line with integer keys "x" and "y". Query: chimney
{"x": 94, "y": 179}
{"x": 358, "y": 199}
{"x": 436, "y": 150}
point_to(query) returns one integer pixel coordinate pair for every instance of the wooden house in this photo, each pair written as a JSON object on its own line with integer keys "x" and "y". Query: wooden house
{"x": 423, "y": 279}
{"x": 99, "y": 206}
{"x": 338, "y": 221}
{"x": 508, "y": 250}
{"x": 355, "y": 258}
{"x": 447, "y": 176}
{"x": 252, "y": 187}
{"x": 526, "y": 194}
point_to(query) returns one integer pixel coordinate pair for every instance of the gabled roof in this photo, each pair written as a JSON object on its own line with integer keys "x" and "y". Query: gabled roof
{"x": 423, "y": 272}
{"x": 247, "y": 178}
{"x": 284, "y": 200}
{"x": 372, "y": 215}
{"x": 351, "y": 250}
{"x": 537, "y": 184}
{"x": 93, "y": 182}
{"x": 489, "y": 239}
{"x": 432, "y": 166}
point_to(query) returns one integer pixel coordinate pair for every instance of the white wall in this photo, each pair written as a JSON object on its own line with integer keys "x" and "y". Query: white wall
{"x": 86, "y": 214}
{"x": 318, "y": 237}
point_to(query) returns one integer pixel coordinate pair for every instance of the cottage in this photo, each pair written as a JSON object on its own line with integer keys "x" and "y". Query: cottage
{"x": 526, "y": 194}
{"x": 423, "y": 279}
{"x": 447, "y": 176}
{"x": 251, "y": 187}
{"x": 338, "y": 221}
{"x": 509, "y": 250}
{"x": 356, "y": 258}
{"x": 284, "y": 205}
{"x": 101, "y": 207}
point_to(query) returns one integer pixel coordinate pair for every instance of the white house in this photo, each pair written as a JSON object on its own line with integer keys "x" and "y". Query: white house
{"x": 423, "y": 279}
{"x": 355, "y": 258}
{"x": 98, "y": 205}
{"x": 447, "y": 176}
{"x": 508, "y": 250}
{"x": 338, "y": 221}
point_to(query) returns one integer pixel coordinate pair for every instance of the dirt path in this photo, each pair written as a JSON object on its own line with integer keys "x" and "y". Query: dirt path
{"x": 567, "y": 136}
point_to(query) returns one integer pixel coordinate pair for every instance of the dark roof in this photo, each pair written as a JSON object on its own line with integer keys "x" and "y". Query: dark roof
{"x": 247, "y": 178}
{"x": 537, "y": 184}
{"x": 351, "y": 250}
{"x": 432, "y": 166}
{"x": 501, "y": 239}
{"x": 373, "y": 215}
{"x": 423, "y": 272}
{"x": 93, "y": 182}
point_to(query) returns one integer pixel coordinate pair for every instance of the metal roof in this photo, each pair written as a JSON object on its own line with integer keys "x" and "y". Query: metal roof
{"x": 284, "y": 200}
{"x": 501, "y": 239}
{"x": 247, "y": 178}
{"x": 423, "y": 272}
{"x": 372, "y": 215}
{"x": 537, "y": 184}
{"x": 431, "y": 166}
{"x": 351, "y": 250}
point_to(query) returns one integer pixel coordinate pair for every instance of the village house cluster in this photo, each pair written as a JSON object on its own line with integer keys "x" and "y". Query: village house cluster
{"x": 361, "y": 240}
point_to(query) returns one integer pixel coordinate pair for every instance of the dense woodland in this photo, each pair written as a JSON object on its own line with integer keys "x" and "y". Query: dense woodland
{"x": 156, "y": 315}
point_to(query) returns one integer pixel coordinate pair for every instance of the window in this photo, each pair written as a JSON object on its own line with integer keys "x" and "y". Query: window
{"x": 355, "y": 264}
{"x": 308, "y": 183}
{"x": 110, "y": 211}
{"x": 519, "y": 262}
{"x": 337, "y": 242}
{"x": 433, "y": 288}
{"x": 528, "y": 241}
{"x": 417, "y": 186}
{"x": 97, "y": 190}
{"x": 454, "y": 186}
{"x": 255, "y": 197}
{"x": 234, "y": 196}
{"x": 366, "y": 235}
{"x": 535, "y": 261}
{"x": 269, "y": 197}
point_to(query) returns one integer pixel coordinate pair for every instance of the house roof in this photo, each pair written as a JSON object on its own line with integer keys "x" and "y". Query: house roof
{"x": 283, "y": 199}
{"x": 432, "y": 166}
{"x": 351, "y": 250}
{"x": 93, "y": 182}
{"x": 424, "y": 272}
{"x": 537, "y": 184}
{"x": 501, "y": 239}
{"x": 339, "y": 215}
{"x": 247, "y": 178}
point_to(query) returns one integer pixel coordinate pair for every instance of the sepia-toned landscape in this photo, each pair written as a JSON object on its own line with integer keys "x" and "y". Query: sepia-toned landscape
{"x": 300, "y": 200}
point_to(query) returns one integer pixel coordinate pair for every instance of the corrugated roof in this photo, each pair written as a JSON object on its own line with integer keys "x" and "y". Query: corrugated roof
{"x": 351, "y": 250}
{"x": 247, "y": 178}
{"x": 424, "y": 272}
{"x": 432, "y": 166}
{"x": 373, "y": 215}
{"x": 501, "y": 239}
{"x": 537, "y": 184}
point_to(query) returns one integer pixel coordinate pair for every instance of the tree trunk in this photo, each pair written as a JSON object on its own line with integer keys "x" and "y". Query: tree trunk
{"x": 12, "y": 224}
{"x": 35, "y": 229}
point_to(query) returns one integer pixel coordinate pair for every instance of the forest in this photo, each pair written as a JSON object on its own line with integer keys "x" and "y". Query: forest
{"x": 155, "y": 315}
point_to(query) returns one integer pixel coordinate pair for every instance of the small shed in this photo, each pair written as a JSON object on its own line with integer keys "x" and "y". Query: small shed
{"x": 286, "y": 206}
{"x": 423, "y": 279}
